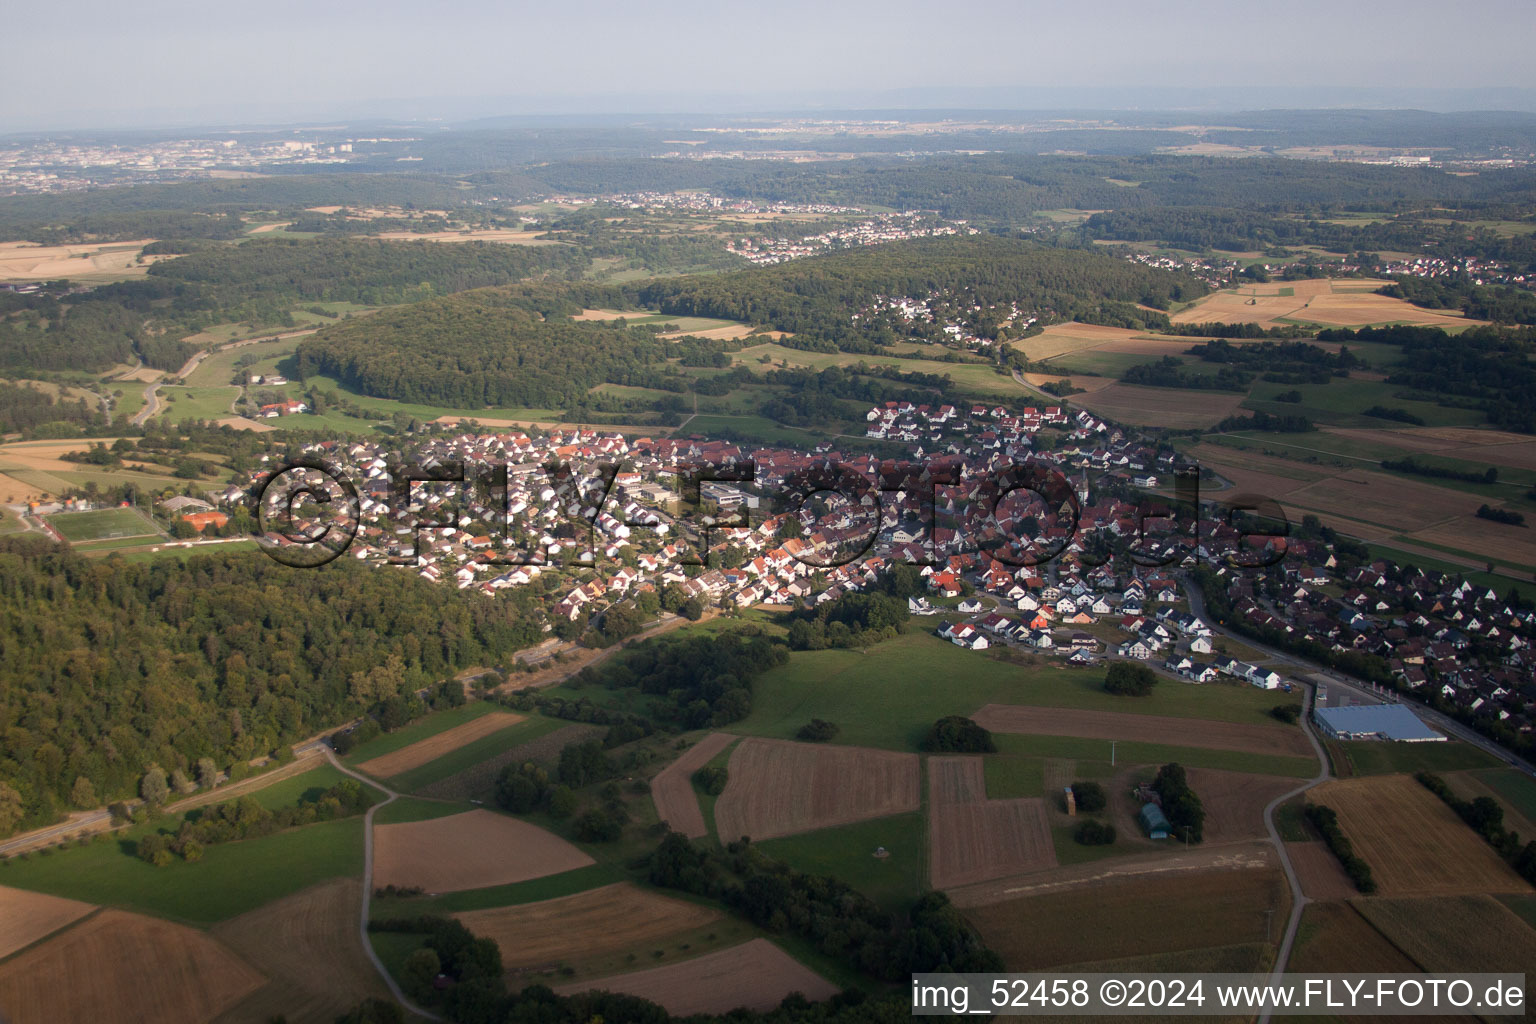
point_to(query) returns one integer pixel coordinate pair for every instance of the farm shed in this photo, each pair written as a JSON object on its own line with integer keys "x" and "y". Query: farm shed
{"x": 1154, "y": 821}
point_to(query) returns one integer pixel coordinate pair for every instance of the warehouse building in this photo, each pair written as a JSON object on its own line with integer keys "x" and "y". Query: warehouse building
{"x": 1374, "y": 722}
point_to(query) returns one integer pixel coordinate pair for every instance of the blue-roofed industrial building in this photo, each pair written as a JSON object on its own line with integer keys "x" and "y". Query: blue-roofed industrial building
{"x": 1374, "y": 722}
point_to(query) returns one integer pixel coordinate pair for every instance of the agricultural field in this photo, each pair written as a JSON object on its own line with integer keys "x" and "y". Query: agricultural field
{"x": 777, "y": 788}
{"x": 423, "y": 751}
{"x": 184, "y": 403}
{"x": 850, "y": 852}
{"x": 756, "y": 975}
{"x": 102, "y": 524}
{"x": 84, "y": 263}
{"x": 1136, "y": 916}
{"x": 469, "y": 850}
{"x": 974, "y": 839}
{"x": 1312, "y": 302}
{"x": 26, "y": 917}
{"x": 1319, "y": 872}
{"x": 672, "y": 788}
{"x": 231, "y": 879}
{"x": 1283, "y": 740}
{"x": 308, "y": 946}
{"x": 1470, "y": 932}
{"x": 140, "y": 969}
{"x": 479, "y": 780}
{"x": 1409, "y": 837}
{"x": 1161, "y": 407}
{"x": 1234, "y": 802}
{"x": 419, "y": 730}
{"x": 1334, "y": 937}
{"x": 613, "y": 918}
{"x": 1365, "y": 757}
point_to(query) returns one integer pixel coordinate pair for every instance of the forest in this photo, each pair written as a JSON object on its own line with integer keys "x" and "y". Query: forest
{"x": 108, "y": 666}
{"x": 811, "y": 298}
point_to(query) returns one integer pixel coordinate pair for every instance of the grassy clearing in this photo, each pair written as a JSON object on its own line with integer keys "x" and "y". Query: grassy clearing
{"x": 886, "y": 696}
{"x": 1515, "y": 787}
{"x": 410, "y": 808}
{"x": 847, "y": 852}
{"x": 1368, "y": 757}
{"x": 532, "y": 891}
{"x": 1338, "y": 403}
{"x": 473, "y": 753}
{"x": 231, "y": 879}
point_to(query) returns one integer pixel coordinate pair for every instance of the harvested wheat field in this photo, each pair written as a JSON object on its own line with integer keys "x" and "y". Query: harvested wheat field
{"x": 777, "y": 788}
{"x": 1160, "y": 407}
{"x": 1060, "y": 339}
{"x": 23, "y": 261}
{"x": 26, "y": 917}
{"x": 308, "y": 945}
{"x": 1498, "y": 447}
{"x": 242, "y": 423}
{"x": 433, "y": 747}
{"x": 121, "y": 968}
{"x": 1411, "y": 839}
{"x": 503, "y": 235}
{"x": 756, "y": 975}
{"x": 613, "y": 918}
{"x": 672, "y": 788}
{"x": 1134, "y": 917}
{"x": 972, "y": 839}
{"x": 1316, "y": 301}
{"x": 1287, "y": 740}
{"x": 1500, "y": 542}
{"x": 1235, "y": 801}
{"x": 473, "y": 850}
{"x": 1086, "y": 384}
{"x": 1385, "y": 499}
{"x": 1318, "y": 870}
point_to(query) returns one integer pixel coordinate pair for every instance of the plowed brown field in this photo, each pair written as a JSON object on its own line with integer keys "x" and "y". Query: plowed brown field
{"x": 672, "y": 788}
{"x": 778, "y": 788}
{"x": 973, "y": 839}
{"x": 756, "y": 975}
{"x": 472, "y": 850}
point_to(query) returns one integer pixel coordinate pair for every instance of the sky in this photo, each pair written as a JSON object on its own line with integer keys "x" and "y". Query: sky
{"x": 105, "y": 63}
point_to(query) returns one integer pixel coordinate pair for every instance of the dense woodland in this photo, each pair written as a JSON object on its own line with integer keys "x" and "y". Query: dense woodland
{"x": 108, "y": 666}
{"x": 812, "y": 297}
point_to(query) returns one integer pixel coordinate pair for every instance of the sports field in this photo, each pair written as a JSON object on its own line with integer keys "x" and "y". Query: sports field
{"x": 102, "y": 524}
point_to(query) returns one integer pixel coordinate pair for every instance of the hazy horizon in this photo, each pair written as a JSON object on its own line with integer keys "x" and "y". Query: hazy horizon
{"x": 169, "y": 63}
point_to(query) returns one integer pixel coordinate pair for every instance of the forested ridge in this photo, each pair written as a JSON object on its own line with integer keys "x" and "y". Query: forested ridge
{"x": 484, "y": 348}
{"x": 259, "y": 280}
{"x": 108, "y": 666}
{"x": 813, "y": 298}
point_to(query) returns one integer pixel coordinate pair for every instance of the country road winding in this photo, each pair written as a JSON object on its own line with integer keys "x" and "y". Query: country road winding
{"x": 362, "y": 923}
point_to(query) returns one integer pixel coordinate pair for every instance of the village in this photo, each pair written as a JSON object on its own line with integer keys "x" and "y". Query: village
{"x": 1099, "y": 570}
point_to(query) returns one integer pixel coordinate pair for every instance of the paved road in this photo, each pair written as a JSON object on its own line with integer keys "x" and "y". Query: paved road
{"x": 151, "y": 406}
{"x": 92, "y": 820}
{"x": 362, "y": 924}
{"x": 1298, "y": 898}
